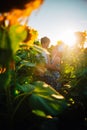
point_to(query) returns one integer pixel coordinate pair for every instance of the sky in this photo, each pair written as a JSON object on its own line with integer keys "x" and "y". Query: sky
{"x": 56, "y": 17}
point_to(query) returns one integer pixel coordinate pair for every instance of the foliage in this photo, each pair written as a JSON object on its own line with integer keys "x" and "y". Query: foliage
{"x": 74, "y": 81}
{"x": 25, "y": 72}
{"x": 21, "y": 94}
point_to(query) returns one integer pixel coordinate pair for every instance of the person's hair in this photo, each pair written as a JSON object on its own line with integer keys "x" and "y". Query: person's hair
{"x": 45, "y": 40}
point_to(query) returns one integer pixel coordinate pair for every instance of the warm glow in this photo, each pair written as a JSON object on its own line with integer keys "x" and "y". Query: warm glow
{"x": 68, "y": 37}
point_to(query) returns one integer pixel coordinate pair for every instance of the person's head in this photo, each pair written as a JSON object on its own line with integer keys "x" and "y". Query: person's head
{"x": 45, "y": 41}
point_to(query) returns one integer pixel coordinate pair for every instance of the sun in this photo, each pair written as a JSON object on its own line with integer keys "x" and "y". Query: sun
{"x": 68, "y": 37}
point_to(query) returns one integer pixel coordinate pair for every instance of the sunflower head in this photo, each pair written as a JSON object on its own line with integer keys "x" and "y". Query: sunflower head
{"x": 14, "y": 11}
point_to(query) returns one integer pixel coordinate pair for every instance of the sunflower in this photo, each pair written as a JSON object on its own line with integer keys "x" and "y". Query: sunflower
{"x": 15, "y": 11}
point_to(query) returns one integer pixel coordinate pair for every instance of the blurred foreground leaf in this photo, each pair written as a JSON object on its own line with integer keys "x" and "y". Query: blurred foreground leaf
{"x": 46, "y": 100}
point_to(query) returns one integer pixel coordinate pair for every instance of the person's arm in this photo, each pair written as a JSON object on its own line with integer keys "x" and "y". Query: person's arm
{"x": 55, "y": 65}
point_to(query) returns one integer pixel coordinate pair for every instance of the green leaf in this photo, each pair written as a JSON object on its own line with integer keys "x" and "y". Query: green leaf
{"x": 39, "y": 113}
{"x": 5, "y": 79}
{"x": 46, "y": 99}
{"x": 5, "y": 56}
{"x": 27, "y": 63}
{"x": 17, "y": 59}
{"x": 25, "y": 88}
{"x": 5, "y": 47}
{"x": 17, "y": 34}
